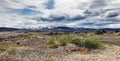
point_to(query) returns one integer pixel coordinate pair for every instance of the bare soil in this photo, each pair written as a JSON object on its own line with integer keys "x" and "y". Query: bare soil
{"x": 33, "y": 48}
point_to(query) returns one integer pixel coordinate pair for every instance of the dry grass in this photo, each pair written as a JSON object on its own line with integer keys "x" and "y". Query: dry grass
{"x": 87, "y": 41}
{"x": 80, "y": 42}
{"x": 25, "y": 36}
{"x": 48, "y": 59}
{"x": 7, "y": 48}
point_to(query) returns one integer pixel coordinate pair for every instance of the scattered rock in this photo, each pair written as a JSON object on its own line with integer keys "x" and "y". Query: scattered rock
{"x": 18, "y": 43}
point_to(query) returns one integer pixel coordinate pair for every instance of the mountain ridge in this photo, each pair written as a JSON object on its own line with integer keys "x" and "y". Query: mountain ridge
{"x": 58, "y": 28}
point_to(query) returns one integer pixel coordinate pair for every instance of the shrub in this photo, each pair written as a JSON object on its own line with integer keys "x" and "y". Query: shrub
{"x": 3, "y": 48}
{"x": 60, "y": 41}
{"x": 65, "y": 39}
{"x": 7, "y": 47}
{"x": 78, "y": 42}
{"x": 52, "y": 43}
{"x": 88, "y": 41}
{"x": 117, "y": 31}
{"x": 1, "y": 39}
{"x": 25, "y": 36}
{"x": 93, "y": 44}
{"x": 100, "y": 31}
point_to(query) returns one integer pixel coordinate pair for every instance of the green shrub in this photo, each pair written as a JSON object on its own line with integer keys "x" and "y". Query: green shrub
{"x": 78, "y": 42}
{"x": 52, "y": 43}
{"x": 87, "y": 41}
{"x": 7, "y": 47}
{"x": 2, "y": 48}
{"x": 59, "y": 41}
{"x": 93, "y": 44}
{"x": 65, "y": 39}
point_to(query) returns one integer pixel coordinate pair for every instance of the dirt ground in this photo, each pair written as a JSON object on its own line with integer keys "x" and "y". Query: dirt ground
{"x": 25, "y": 48}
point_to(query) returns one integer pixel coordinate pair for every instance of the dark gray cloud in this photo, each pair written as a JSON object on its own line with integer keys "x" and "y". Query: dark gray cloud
{"x": 60, "y": 18}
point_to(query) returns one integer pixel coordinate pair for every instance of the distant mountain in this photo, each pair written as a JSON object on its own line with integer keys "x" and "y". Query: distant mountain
{"x": 8, "y": 29}
{"x": 59, "y": 28}
{"x": 110, "y": 29}
{"x": 68, "y": 28}
{"x": 63, "y": 28}
{"x": 81, "y": 29}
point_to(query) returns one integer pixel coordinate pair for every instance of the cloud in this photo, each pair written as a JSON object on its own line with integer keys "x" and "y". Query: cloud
{"x": 53, "y": 13}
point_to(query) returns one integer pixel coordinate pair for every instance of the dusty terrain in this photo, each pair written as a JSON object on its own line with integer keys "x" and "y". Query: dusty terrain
{"x": 32, "y": 48}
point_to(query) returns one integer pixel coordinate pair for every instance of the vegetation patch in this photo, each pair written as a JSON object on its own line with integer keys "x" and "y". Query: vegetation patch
{"x": 7, "y": 48}
{"x": 100, "y": 32}
{"x": 118, "y": 33}
{"x": 88, "y": 41}
{"x": 48, "y": 59}
{"x": 59, "y": 41}
{"x": 26, "y": 36}
{"x": 1, "y": 38}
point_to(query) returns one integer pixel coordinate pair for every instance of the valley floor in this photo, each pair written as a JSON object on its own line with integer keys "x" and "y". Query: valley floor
{"x": 30, "y": 46}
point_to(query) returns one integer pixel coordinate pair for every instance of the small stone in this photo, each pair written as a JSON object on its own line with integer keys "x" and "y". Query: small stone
{"x": 18, "y": 43}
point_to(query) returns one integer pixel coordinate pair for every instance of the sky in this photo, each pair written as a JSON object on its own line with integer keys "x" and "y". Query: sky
{"x": 57, "y": 13}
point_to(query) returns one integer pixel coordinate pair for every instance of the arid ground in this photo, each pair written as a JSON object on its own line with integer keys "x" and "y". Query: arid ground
{"x": 31, "y": 46}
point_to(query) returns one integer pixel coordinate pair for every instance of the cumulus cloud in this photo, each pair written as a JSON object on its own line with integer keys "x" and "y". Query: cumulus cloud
{"x": 53, "y": 13}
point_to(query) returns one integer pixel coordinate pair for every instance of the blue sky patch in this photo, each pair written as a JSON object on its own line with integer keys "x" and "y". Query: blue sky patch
{"x": 50, "y": 4}
{"x": 25, "y": 11}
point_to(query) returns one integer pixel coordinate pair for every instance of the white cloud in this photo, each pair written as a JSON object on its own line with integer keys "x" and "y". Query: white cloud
{"x": 112, "y": 26}
{"x": 97, "y": 12}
